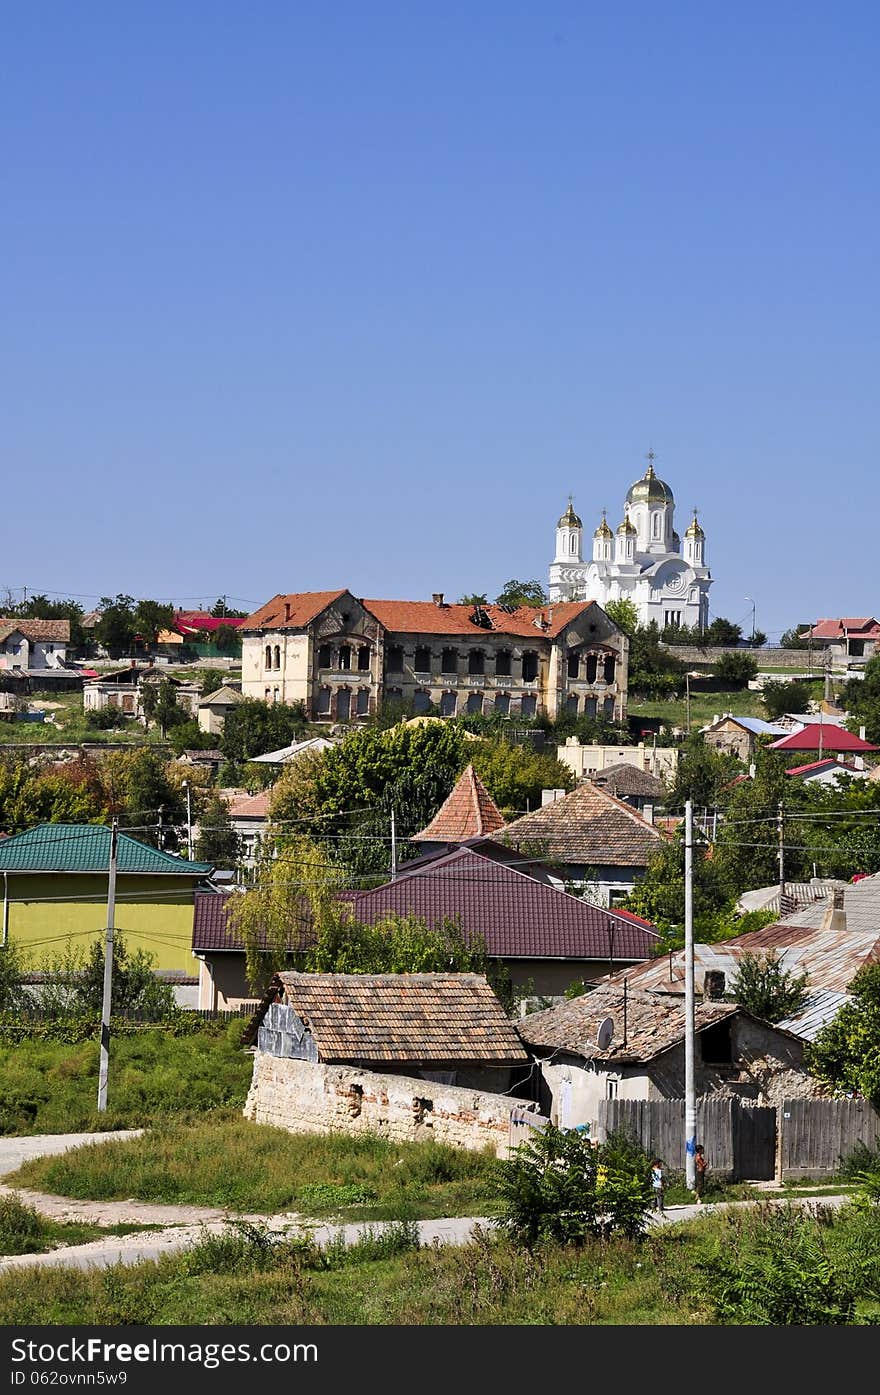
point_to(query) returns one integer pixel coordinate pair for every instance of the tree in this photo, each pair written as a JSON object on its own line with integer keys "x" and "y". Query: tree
{"x": 701, "y": 775}
{"x": 757, "y": 640}
{"x": 254, "y": 727}
{"x": 397, "y": 944}
{"x": 141, "y": 793}
{"x": 116, "y": 628}
{"x": 522, "y": 593}
{"x": 13, "y": 966}
{"x": 659, "y": 896}
{"x": 220, "y": 608}
{"x": 861, "y": 697}
{"x": 473, "y": 599}
{"x": 722, "y": 631}
{"x": 226, "y": 639}
{"x": 168, "y": 713}
{"x": 796, "y": 637}
{"x": 845, "y": 1055}
{"x": 135, "y": 987}
{"x": 29, "y": 797}
{"x": 653, "y": 670}
{"x": 516, "y": 775}
{"x": 736, "y": 669}
{"x": 779, "y": 698}
{"x": 217, "y": 840}
{"x": 41, "y": 608}
{"x": 766, "y": 988}
{"x": 624, "y": 613}
{"x": 150, "y": 617}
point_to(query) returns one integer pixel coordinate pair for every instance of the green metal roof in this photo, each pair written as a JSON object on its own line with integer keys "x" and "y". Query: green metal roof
{"x": 85, "y": 847}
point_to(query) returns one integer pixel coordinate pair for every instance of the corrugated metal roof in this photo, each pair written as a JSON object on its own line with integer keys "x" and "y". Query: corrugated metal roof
{"x": 75, "y": 847}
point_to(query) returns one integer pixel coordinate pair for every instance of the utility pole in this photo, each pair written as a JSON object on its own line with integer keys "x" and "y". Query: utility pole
{"x": 108, "y": 970}
{"x": 393, "y": 846}
{"x": 609, "y": 926}
{"x": 780, "y": 831}
{"x": 687, "y": 686}
{"x": 189, "y": 829}
{"x": 690, "y": 1093}
{"x": 160, "y": 837}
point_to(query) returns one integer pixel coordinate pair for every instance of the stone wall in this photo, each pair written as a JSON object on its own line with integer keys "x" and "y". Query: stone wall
{"x": 304, "y": 1097}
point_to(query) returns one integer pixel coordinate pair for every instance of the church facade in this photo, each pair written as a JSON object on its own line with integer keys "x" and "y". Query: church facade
{"x": 643, "y": 561}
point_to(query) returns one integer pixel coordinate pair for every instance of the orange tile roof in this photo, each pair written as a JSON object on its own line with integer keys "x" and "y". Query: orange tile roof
{"x": 252, "y": 806}
{"x": 37, "y": 629}
{"x": 468, "y": 812}
{"x": 588, "y": 826}
{"x": 295, "y": 609}
{"x": 425, "y": 617}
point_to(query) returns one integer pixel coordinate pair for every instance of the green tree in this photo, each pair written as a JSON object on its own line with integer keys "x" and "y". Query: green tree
{"x": 41, "y": 608}
{"x": 473, "y": 599}
{"x": 116, "y": 628}
{"x": 255, "y": 727}
{"x": 29, "y": 797}
{"x": 659, "y": 896}
{"x": 397, "y": 944}
{"x": 150, "y": 617}
{"x": 861, "y": 698}
{"x": 516, "y": 775}
{"x": 188, "y": 736}
{"x": 220, "y": 608}
{"x": 701, "y": 775}
{"x": 624, "y": 613}
{"x": 722, "y": 631}
{"x": 845, "y": 1055}
{"x": 227, "y": 639}
{"x": 795, "y": 638}
{"x": 145, "y": 798}
{"x": 217, "y": 840}
{"x": 168, "y": 712}
{"x": 736, "y": 669}
{"x": 135, "y": 987}
{"x": 653, "y": 670}
{"x": 779, "y": 698}
{"x": 769, "y": 990}
{"x": 522, "y": 593}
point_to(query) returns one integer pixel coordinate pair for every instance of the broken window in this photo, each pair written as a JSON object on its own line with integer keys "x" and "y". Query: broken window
{"x": 447, "y": 705}
{"x": 421, "y": 701}
{"x": 590, "y": 707}
{"x": 574, "y": 665}
{"x": 609, "y": 669}
{"x": 364, "y": 658}
{"x": 394, "y": 658}
{"x": 591, "y": 668}
{"x": 608, "y": 709}
{"x": 324, "y": 656}
{"x": 502, "y": 663}
{"x": 529, "y": 666}
{"x": 502, "y": 703}
{"x": 571, "y": 704}
{"x": 423, "y": 659}
{"x": 343, "y": 705}
{"x": 363, "y": 702}
{"x": 474, "y": 702}
{"x": 529, "y": 705}
{"x": 344, "y": 657}
{"x": 476, "y": 661}
{"x": 323, "y": 702}
{"x": 449, "y": 661}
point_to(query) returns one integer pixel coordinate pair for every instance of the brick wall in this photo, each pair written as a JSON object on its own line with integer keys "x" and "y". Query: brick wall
{"x": 304, "y": 1097}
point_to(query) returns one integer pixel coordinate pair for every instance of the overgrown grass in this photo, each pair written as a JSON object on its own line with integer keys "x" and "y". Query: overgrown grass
{"x": 759, "y": 1269}
{"x": 23, "y": 1231}
{"x": 234, "y": 1163}
{"x": 52, "y": 1087}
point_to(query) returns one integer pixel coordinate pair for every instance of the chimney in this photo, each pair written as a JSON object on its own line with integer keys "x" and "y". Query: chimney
{"x": 287, "y": 610}
{"x": 648, "y": 813}
{"x": 713, "y": 985}
{"x": 834, "y": 918}
{"x": 862, "y": 733}
{"x": 437, "y": 597}
{"x": 753, "y": 770}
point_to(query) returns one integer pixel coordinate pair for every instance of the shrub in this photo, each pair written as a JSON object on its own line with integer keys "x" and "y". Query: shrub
{"x": 21, "y": 1230}
{"x": 562, "y": 1187}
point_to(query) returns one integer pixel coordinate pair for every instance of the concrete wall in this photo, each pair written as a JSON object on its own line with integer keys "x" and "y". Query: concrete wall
{"x": 304, "y": 1097}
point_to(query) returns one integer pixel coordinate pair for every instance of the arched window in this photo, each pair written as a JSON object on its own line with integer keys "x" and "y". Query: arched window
{"x": 475, "y": 702}
{"x": 528, "y": 705}
{"x": 394, "y": 660}
{"x": 502, "y": 703}
{"x": 656, "y": 524}
{"x": 502, "y": 663}
{"x": 423, "y": 659}
{"x": 574, "y": 665}
{"x": 421, "y": 701}
{"x": 268, "y": 656}
{"x": 572, "y": 543}
{"x": 608, "y": 709}
{"x": 447, "y": 705}
{"x": 590, "y": 707}
{"x": 363, "y": 702}
{"x": 571, "y": 704}
{"x": 476, "y": 661}
{"x": 343, "y": 704}
{"x": 364, "y": 658}
{"x": 609, "y": 669}
{"x": 591, "y": 668}
{"x": 277, "y": 655}
{"x": 449, "y": 661}
{"x": 323, "y": 702}
{"x": 324, "y": 656}
{"x": 344, "y": 657}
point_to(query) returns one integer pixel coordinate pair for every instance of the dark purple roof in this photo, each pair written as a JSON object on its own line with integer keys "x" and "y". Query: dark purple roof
{"x": 518, "y": 917}
{"x": 209, "y": 925}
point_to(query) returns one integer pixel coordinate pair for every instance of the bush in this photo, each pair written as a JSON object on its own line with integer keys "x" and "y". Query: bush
{"x": 21, "y": 1230}
{"x": 560, "y": 1186}
{"x": 736, "y": 669}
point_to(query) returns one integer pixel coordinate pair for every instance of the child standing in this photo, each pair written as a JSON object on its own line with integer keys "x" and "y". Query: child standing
{"x": 658, "y": 1182}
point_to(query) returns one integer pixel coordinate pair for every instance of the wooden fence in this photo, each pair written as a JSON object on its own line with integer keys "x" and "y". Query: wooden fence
{"x": 815, "y": 1136}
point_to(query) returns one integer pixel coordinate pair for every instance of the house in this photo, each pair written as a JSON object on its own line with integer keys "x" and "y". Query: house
{"x": 620, "y": 1042}
{"x": 249, "y": 819}
{"x": 829, "y": 940}
{"x": 586, "y": 760}
{"x": 822, "y": 736}
{"x": 468, "y": 811}
{"x": 797, "y": 895}
{"x": 213, "y": 709}
{"x": 545, "y": 938}
{"x": 122, "y": 689}
{"x": 219, "y": 949}
{"x": 28, "y": 645}
{"x": 738, "y": 736}
{"x": 828, "y": 770}
{"x": 310, "y": 745}
{"x": 342, "y": 657}
{"x": 405, "y": 1056}
{"x": 852, "y": 637}
{"x": 643, "y": 792}
{"x": 588, "y": 838}
{"x": 55, "y": 886}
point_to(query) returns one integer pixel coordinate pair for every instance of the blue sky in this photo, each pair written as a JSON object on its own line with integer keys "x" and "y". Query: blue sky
{"x": 306, "y": 295}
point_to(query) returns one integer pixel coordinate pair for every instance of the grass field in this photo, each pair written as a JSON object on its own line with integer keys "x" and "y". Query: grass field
{"x": 759, "y": 1269}
{"x": 24, "y": 1232}
{"x": 229, "y": 1161}
{"x": 742, "y": 702}
{"x": 52, "y": 1087}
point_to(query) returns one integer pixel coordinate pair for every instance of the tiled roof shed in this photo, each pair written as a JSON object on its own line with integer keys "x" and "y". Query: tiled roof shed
{"x": 587, "y": 826}
{"x": 398, "y": 1017}
{"x": 74, "y": 847}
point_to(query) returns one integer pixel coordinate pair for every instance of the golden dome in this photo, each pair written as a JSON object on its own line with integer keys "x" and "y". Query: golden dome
{"x": 650, "y": 489}
{"x": 626, "y": 527}
{"x": 603, "y": 531}
{"x": 694, "y": 531}
{"x": 569, "y": 519}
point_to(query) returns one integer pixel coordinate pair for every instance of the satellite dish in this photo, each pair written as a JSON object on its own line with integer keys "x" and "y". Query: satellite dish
{"x": 605, "y": 1033}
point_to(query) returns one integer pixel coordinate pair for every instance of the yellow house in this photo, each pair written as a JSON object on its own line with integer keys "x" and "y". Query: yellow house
{"x": 54, "y": 884}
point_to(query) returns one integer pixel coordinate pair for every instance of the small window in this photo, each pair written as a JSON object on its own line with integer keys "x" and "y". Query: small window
{"x": 475, "y": 702}
{"x": 611, "y": 1087}
{"x": 608, "y": 709}
{"x": 529, "y": 666}
{"x": 591, "y": 668}
{"x": 574, "y": 665}
{"x": 447, "y": 705}
{"x": 449, "y": 661}
{"x": 656, "y": 525}
{"x": 502, "y": 703}
{"x": 363, "y": 702}
{"x": 323, "y": 702}
{"x": 324, "y": 656}
{"x": 421, "y": 701}
{"x": 476, "y": 661}
{"x": 423, "y": 659}
{"x": 502, "y": 663}
{"x": 277, "y": 655}
{"x": 343, "y": 705}
{"x": 268, "y": 656}
{"x": 276, "y": 694}
{"x": 364, "y": 658}
{"x": 394, "y": 658}
{"x": 529, "y": 705}
{"x": 344, "y": 657}
{"x": 609, "y": 669}
{"x": 590, "y": 707}
{"x": 571, "y": 704}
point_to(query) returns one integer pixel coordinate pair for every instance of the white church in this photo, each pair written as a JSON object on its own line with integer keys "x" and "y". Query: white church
{"x": 643, "y": 561}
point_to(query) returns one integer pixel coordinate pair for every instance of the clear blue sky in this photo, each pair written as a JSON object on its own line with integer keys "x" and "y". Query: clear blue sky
{"x": 305, "y": 295}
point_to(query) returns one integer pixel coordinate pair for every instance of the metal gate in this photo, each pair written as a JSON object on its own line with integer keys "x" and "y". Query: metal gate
{"x": 754, "y": 1143}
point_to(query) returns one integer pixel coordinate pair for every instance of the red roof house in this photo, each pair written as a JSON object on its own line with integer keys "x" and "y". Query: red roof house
{"x": 822, "y": 736}
{"x": 468, "y": 812}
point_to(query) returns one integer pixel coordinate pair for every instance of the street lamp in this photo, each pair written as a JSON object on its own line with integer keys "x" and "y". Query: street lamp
{"x": 748, "y": 598}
